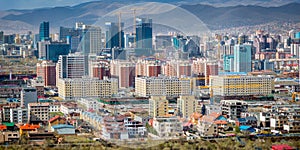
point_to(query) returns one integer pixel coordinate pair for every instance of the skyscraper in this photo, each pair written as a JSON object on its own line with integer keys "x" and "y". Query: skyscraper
{"x": 44, "y": 31}
{"x": 1, "y": 37}
{"x": 91, "y": 40}
{"x": 113, "y": 35}
{"x": 71, "y": 66}
{"x": 242, "y": 58}
{"x": 144, "y": 33}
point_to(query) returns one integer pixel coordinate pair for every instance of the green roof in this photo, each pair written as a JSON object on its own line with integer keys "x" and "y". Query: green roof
{"x": 8, "y": 124}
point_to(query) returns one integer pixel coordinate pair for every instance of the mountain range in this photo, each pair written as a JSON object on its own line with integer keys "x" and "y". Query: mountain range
{"x": 213, "y": 17}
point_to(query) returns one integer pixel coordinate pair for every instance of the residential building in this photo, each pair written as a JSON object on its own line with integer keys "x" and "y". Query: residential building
{"x": 167, "y": 126}
{"x": 69, "y": 107}
{"x": 148, "y": 67}
{"x": 19, "y": 115}
{"x": 114, "y": 128}
{"x": 54, "y": 107}
{"x": 89, "y": 103}
{"x": 70, "y": 89}
{"x": 233, "y": 108}
{"x": 28, "y": 95}
{"x": 158, "y": 106}
{"x": 38, "y": 84}
{"x": 135, "y": 128}
{"x": 46, "y": 70}
{"x": 38, "y": 112}
{"x": 57, "y": 120}
{"x": 186, "y": 106}
{"x": 124, "y": 71}
{"x": 29, "y": 128}
{"x": 162, "y": 86}
{"x": 241, "y": 85}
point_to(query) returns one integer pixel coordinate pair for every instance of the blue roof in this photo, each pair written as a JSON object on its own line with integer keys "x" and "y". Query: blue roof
{"x": 232, "y": 73}
{"x": 59, "y": 126}
{"x": 248, "y": 128}
{"x": 241, "y": 119}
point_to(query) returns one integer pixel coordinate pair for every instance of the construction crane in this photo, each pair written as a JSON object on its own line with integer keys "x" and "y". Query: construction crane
{"x": 134, "y": 21}
{"x": 120, "y": 25}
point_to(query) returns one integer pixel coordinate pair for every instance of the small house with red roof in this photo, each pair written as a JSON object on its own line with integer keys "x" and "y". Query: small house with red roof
{"x": 28, "y": 128}
{"x": 209, "y": 125}
{"x": 57, "y": 120}
{"x": 282, "y": 147}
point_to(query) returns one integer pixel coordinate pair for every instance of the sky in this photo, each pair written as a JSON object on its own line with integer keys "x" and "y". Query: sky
{"x": 30, "y": 4}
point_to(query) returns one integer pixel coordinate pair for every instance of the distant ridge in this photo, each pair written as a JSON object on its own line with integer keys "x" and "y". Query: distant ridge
{"x": 213, "y": 17}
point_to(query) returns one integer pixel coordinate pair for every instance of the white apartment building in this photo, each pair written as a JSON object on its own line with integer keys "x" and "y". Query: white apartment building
{"x": 233, "y": 108}
{"x": 162, "y": 86}
{"x": 19, "y": 115}
{"x": 167, "y": 126}
{"x": 54, "y": 107}
{"x": 72, "y": 89}
{"x": 241, "y": 85}
{"x": 89, "y": 103}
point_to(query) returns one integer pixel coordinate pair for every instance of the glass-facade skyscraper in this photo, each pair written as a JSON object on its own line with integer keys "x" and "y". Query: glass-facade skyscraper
{"x": 113, "y": 35}
{"x": 44, "y": 31}
{"x": 242, "y": 58}
{"x": 144, "y": 33}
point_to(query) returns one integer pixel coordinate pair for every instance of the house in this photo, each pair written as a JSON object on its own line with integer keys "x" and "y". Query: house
{"x": 240, "y": 122}
{"x": 9, "y": 126}
{"x": 245, "y": 128}
{"x": 9, "y": 136}
{"x": 249, "y": 121}
{"x": 63, "y": 129}
{"x": 209, "y": 125}
{"x": 167, "y": 126}
{"x": 3, "y": 127}
{"x": 28, "y": 128}
{"x": 69, "y": 107}
{"x": 114, "y": 128}
{"x": 57, "y": 120}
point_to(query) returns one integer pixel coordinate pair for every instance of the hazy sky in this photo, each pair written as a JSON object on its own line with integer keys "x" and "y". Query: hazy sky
{"x": 29, "y": 4}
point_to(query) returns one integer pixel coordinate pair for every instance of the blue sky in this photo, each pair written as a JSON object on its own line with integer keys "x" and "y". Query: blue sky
{"x": 29, "y": 4}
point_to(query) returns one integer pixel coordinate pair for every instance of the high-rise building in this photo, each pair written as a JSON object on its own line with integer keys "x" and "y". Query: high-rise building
{"x": 162, "y": 86}
{"x": 1, "y": 37}
{"x": 144, "y": 33}
{"x": 158, "y": 106}
{"x": 91, "y": 40}
{"x": 44, "y": 31}
{"x": 65, "y": 32}
{"x": 54, "y": 49}
{"x": 186, "y": 106}
{"x": 114, "y": 38}
{"x": 71, "y": 66}
{"x": 99, "y": 69}
{"x": 46, "y": 70}
{"x": 71, "y": 89}
{"x": 42, "y": 49}
{"x": 241, "y": 85}
{"x": 148, "y": 67}
{"x": 242, "y": 58}
{"x": 124, "y": 71}
{"x": 177, "y": 68}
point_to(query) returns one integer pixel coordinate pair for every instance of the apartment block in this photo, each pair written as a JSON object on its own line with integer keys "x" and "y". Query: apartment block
{"x": 241, "y": 85}
{"x": 233, "y": 108}
{"x": 162, "y": 86}
{"x": 158, "y": 106}
{"x": 38, "y": 112}
{"x": 167, "y": 126}
{"x": 186, "y": 106}
{"x": 71, "y": 89}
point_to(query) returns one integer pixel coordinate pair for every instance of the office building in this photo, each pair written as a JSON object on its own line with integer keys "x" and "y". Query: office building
{"x": 186, "y": 105}
{"x": 44, "y": 31}
{"x": 72, "y": 89}
{"x": 42, "y": 49}
{"x": 162, "y": 86}
{"x": 241, "y": 85}
{"x": 233, "y": 108}
{"x": 54, "y": 49}
{"x": 143, "y": 33}
{"x": 91, "y": 40}
{"x": 1, "y": 37}
{"x": 64, "y": 33}
{"x": 242, "y": 58}
{"x": 114, "y": 38}
{"x": 72, "y": 66}
{"x": 46, "y": 70}
{"x": 158, "y": 106}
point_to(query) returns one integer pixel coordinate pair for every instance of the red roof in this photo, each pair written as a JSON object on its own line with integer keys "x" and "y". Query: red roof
{"x": 29, "y": 127}
{"x": 3, "y": 127}
{"x": 282, "y": 147}
{"x": 150, "y": 122}
{"x": 54, "y": 118}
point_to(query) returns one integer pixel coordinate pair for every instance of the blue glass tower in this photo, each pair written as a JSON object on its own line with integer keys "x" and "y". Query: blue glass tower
{"x": 113, "y": 35}
{"x": 44, "y": 31}
{"x": 242, "y": 58}
{"x": 144, "y": 33}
